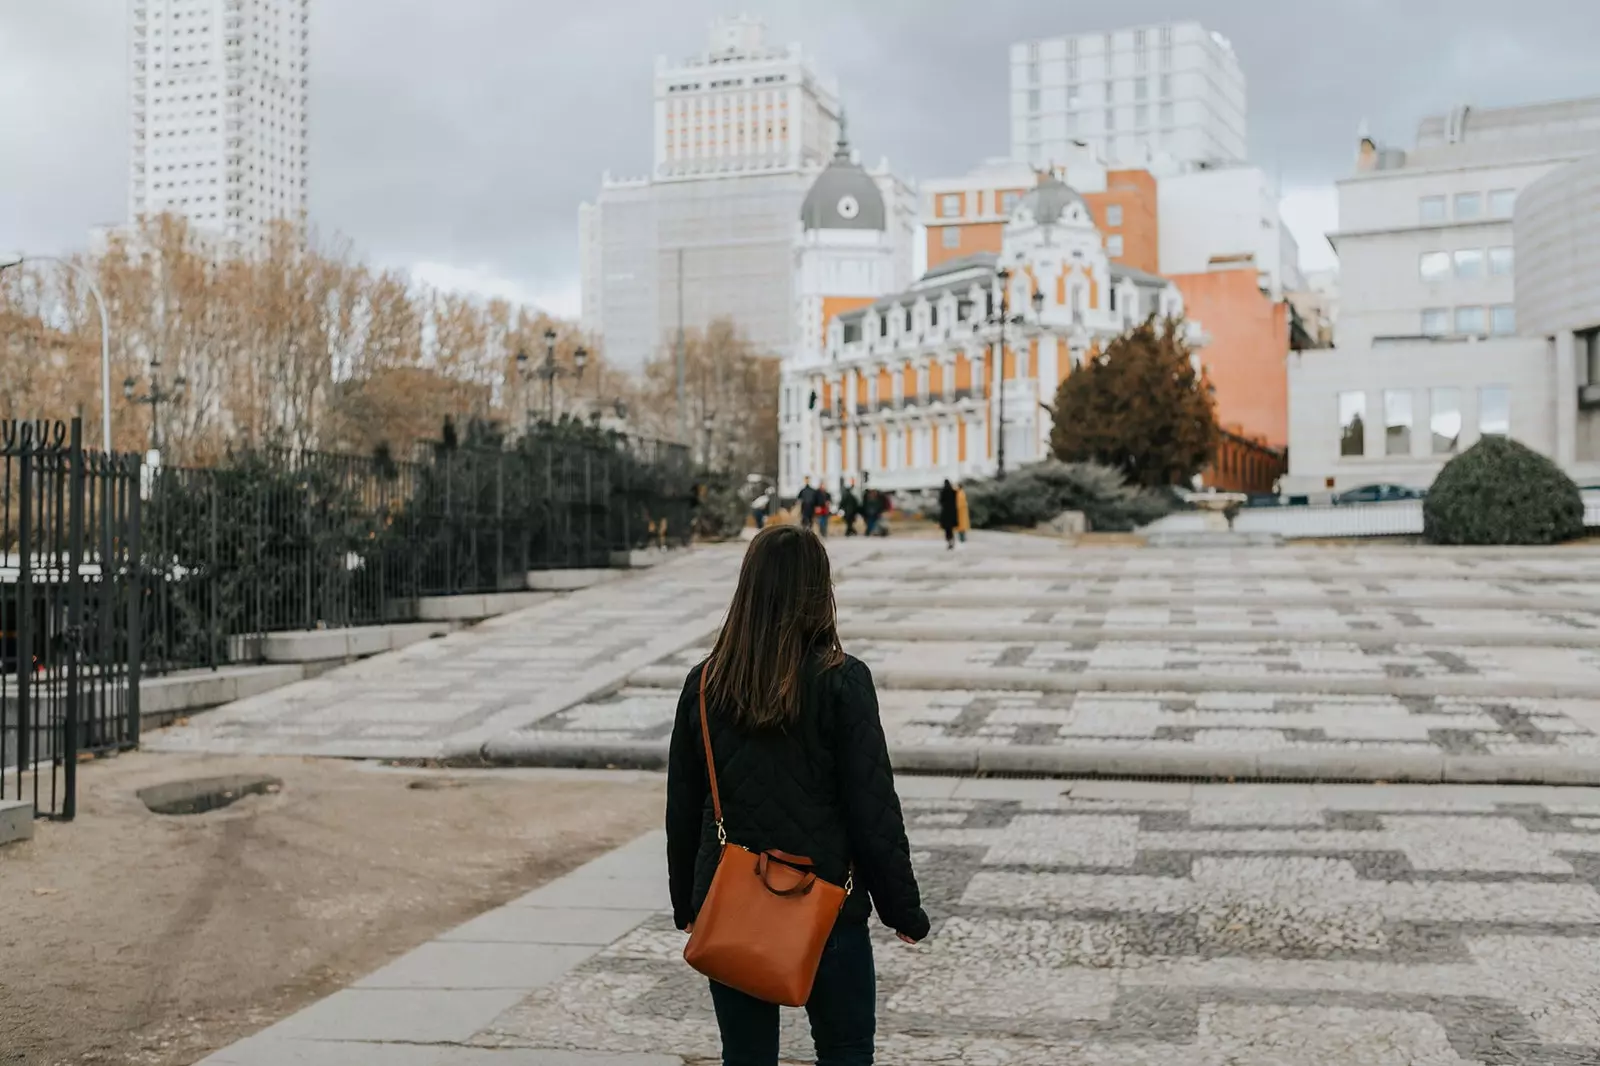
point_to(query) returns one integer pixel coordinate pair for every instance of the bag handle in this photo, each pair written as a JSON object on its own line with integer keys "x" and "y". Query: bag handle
{"x": 711, "y": 765}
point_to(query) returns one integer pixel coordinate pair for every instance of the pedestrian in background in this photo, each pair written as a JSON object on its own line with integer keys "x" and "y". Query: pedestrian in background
{"x": 963, "y": 515}
{"x": 947, "y": 515}
{"x": 871, "y": 509}
{"x": 793, "y": 733}
{"x": 807, "y": 503}
{"x": 849, "y": 507}
{"x": 824, "y": 502}
{"x": 760, "y": 507}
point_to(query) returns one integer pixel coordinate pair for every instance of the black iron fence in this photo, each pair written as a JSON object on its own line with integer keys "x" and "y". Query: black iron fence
{"x": 69, "y": 641}
{"x": 275, "y": 541}
{"x": 111, "y": 570}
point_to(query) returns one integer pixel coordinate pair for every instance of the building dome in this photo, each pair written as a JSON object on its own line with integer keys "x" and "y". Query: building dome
{"x": 1048, "y": 202}
{"x": 844, "y": 195}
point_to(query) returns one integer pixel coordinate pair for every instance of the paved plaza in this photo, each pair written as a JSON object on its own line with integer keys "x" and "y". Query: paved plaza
{"x": 1077, "y": 920}
{"x": 1382, "y": 664}
{"x": 1074, "y": 923}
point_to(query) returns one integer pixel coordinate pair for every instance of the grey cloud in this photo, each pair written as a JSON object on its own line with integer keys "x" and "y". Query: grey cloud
{"x": 468, "y": 132}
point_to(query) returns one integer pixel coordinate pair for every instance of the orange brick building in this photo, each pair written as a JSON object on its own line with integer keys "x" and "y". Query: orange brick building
{"x": 967, "y": 215}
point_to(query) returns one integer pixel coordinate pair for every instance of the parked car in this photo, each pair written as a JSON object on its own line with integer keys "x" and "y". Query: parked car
{"x": 1377, "y": 494}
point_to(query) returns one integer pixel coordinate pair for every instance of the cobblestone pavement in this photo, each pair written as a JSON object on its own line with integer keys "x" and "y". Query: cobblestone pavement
{"x": 1405, "y": 652}
{"x": 1213, "y": 926}
{"x": 1405, "y": 621}
{"x": 1156, "y": 721}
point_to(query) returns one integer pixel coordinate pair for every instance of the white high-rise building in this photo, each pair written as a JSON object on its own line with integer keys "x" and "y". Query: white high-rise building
{"x": 218, "y": 108}
{"x": 742, "y": 108}
{"x": 1136, "y": 96}
{"x": 740, "y": 133}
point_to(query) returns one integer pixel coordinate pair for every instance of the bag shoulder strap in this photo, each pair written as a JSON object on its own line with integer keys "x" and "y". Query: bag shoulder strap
{"x": 711, "y": 765}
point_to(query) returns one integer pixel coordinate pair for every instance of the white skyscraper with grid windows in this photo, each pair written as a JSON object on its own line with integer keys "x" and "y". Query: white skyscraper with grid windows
{"x": 218, "y": 105}
{"x": 1149, "y": 94}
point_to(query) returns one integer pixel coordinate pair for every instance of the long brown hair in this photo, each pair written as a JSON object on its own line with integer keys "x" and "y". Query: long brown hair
{"x": 782, "y": 616}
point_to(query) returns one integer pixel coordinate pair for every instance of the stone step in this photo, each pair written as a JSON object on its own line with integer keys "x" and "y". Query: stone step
{"x": 1016, "y": 679}
{"x": 953, "y": 596}
{"x": 1068, "y": 760}
{"x": 1190, "y": 634}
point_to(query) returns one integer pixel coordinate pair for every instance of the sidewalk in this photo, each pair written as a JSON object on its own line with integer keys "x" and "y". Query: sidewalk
{"x": 1081, "y": 922}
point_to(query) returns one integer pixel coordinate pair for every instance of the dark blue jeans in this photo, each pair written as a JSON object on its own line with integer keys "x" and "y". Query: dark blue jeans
{"x": 843, "y": 1009}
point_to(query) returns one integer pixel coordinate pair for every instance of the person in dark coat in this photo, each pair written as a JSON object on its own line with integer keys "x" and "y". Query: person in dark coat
{"x": 802, "y": 767}
{"x": 824, "y": 507}
{"x": 849, "y": 506}
{"x": 949, "y": 515}
{"x": 807, "y": 502}
{"x": 871, "y": 510}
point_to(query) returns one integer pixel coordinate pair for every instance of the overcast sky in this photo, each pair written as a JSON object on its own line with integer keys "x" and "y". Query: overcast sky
{"x": 457, "y": 139}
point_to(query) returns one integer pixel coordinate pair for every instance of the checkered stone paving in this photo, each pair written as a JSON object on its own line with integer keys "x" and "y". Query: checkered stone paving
{"x": 1353, "y": 618}
{"x": 1571, "y": 594}
{"x": 1156, "y": 721}
{"x": 1234, "y": 928}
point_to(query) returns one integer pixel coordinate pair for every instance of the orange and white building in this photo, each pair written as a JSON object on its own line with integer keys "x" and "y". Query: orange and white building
{"x": 967, "y": 215}
{"x": 904, "y": 389}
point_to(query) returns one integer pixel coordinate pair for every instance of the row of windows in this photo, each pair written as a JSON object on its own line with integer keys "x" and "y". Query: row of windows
{"x": 1141, "y": 63}
{"x": 1141, "y": 92}
{"x": 1499, "y": 320}
{"x": 1468, "y": 264}
{"x": 1444, "y": 419}
{"x": 1468, "y": 206}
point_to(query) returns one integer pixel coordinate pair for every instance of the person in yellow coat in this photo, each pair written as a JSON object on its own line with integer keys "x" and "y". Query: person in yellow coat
{"x": 963, "y": 516}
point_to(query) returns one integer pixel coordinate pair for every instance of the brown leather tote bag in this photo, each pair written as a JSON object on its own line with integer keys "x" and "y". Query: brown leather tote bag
{"x": 766, "y": 917}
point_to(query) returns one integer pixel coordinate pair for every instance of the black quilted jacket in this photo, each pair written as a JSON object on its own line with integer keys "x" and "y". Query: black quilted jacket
{"x": 822, "y": 788}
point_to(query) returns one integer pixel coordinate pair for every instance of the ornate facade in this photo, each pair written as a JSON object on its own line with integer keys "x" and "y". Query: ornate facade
{"x": 904, "y": 390}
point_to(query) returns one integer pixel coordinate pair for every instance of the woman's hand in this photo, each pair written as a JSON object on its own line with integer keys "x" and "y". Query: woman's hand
{"x": 905, "y": 938}
{"x": 689, "y": 929}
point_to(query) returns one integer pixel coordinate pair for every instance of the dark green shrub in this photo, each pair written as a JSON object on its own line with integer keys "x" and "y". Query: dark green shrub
{"x": 1502, "y": 492}
{"x": 1039, "y": 492}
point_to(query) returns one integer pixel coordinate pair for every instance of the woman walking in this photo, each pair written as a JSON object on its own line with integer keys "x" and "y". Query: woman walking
{"x": 963, "y": 514}
{"x": 948, "y": 517}
{"x": 799, "y": 773}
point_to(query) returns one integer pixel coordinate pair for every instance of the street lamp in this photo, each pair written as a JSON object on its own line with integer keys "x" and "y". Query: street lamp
{"x": 1002, "y": 316}
{"x": 548, "y": 371}
{"x": 157, "y": 396}
{"x": 105, "y": 333}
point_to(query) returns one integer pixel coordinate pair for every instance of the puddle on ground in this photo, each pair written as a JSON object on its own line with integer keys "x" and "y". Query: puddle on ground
{"x": 202, "y": 794}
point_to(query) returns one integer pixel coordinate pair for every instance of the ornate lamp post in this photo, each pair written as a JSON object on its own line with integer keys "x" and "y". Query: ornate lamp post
{"x": 1001, "y": 316}
{"x": 549, "y": 370}
{"x": 158, "y": 395}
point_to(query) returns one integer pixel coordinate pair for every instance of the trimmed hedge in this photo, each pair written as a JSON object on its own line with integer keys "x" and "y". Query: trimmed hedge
{"x": 1039, "y": 492}
{"x": 1502, "y": 492}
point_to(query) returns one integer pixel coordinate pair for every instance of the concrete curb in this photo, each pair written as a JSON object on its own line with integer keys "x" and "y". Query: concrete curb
{"x": 1362, "y": 638}
{"x": 164, "y": 698}
{"x": 1013, "y": 679}
{"x": 956, "y": 599}
{"x": 1066, "y": 761}
{"x": 16, "y": 821}
{"x": 324, "y": 645}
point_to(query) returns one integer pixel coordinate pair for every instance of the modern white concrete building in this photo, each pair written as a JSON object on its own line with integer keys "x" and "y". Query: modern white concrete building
{"x": 1227, "y": 214}
{"x": 218, "y": 105}
{"x": 1135, "y": 95}
{"x": 1429, "y": 352}
{"x": 1557, "y": 237}
{"x": 741, "y": 132}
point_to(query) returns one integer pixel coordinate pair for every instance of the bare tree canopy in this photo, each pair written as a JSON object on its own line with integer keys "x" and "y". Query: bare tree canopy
{"x": 730, "y": 400}
{"x": 298, "y": 344}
